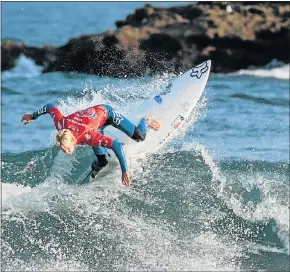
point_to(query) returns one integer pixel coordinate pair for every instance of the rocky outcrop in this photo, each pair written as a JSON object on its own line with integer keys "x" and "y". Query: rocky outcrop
{"x": 234, "y": 35}
{"x": 11, "y": 51}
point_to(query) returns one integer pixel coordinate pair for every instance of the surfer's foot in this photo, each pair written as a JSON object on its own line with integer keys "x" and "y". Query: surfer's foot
{"x": 94, "y": 174}
{"x": 96, "y": 168}
{"x": 151, "y": 123}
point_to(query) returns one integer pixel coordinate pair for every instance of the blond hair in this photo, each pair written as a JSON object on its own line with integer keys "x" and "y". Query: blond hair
{"x": 63, "y": 136}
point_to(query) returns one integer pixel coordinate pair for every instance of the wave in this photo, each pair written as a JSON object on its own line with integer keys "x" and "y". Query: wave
{"x": 182, "y": 205}
{"x": 114, "y": 219}
{"x": 13, "y": 190}
{"x": 24, "y": 68}
{"x": 9, "y": 91}
{"x": 274, "y": 102}
{"x": 277, "y": 72}
{"x": 255, "y": 195}
{"x": 184, "y": 211}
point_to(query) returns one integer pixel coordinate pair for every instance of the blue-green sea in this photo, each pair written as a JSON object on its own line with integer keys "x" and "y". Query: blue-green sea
{"x": 215, "y": 198}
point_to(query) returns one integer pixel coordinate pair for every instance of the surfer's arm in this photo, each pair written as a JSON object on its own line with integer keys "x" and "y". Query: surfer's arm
{"x": 117, "y": 147}
{"x": 48, "y": 108}
{"x": 53, "y": 111}
{"x": 118, "y": 150}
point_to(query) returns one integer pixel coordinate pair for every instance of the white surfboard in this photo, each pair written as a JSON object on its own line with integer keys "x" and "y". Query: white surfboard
{"x": 171, "y": 108}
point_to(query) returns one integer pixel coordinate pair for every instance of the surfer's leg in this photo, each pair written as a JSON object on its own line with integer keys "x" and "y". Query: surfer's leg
{"x": 100, "y": 151}
{"x": 136, "y": 133}
{"x": 101, "y": 161}
{"x": 140, "y": 131}
{"x": 120, "y": 122}
{"x": 102, "y": 158}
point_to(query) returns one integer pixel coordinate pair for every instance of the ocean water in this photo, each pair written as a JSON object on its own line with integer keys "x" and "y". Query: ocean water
{"x": 215, "y": 198}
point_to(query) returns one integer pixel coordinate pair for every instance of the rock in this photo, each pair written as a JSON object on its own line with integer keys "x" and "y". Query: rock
{"x": 9, "y": 54}
{"x": 11, "y": 51}
{"x": 234, "y": 35}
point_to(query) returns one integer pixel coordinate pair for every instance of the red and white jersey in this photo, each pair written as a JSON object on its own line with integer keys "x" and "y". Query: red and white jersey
{"x": 84, "y": 125}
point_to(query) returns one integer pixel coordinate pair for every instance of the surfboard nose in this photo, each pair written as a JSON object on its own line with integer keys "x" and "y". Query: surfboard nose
{"x": 200, "y": 69}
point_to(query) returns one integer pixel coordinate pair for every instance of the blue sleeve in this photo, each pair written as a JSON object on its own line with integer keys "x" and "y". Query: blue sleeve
{"x": 118, "y": 149}
{"x": 42, "y": 110}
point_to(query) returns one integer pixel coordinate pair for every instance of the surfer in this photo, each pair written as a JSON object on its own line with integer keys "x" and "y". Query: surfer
{"x": 86, "y": 127}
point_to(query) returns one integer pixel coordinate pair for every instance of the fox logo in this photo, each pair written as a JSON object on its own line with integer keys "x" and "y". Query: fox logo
{"x": 42, "y": 110}
{"x": 199, "y": 70}
{"x": 117, "y": 118}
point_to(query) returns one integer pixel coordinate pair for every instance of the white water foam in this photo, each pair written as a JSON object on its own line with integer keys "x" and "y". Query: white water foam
{"x": 278, "y": 72}
{"x": 12, "y": 190}
{"x": 24, "y": 68}
{"x": 272, "y": 205}
{"x": 58, "y": 265}
{"x": 157, "y": 248}
{"x": 152, "y": 244}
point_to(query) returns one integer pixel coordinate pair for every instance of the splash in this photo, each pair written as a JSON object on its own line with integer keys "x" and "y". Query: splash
{"x": 278, "y": 72}
{"x": 103, "y": 212}
{"x": 25, "y": 68}
{"x": 12, "y": 190}
{"x": 272, "y": 205}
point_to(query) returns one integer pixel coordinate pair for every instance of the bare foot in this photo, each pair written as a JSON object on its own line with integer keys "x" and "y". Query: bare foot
{"x": 153, "y": 124}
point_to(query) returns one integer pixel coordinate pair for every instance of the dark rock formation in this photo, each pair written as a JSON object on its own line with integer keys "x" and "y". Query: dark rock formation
{"x": 11, "y": 51}
{"x": 234, "y": 35}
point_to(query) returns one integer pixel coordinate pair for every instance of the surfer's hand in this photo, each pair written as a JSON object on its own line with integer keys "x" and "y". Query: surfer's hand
{"x": 125, "y": 179}
{"x": 27, "y": 118}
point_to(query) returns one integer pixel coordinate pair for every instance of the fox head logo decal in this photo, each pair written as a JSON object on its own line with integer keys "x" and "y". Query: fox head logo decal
{"x": 199, "y": 70}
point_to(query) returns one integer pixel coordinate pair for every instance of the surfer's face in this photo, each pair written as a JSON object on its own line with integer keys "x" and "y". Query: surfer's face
{"x": 68, "y": 147}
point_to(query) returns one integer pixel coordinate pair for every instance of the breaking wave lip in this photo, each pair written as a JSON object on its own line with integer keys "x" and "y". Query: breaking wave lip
{"x": 274, "y": 69}
{"x": 281, "y": 72}
{"x": 25, "y": 68}
{"x": 269, "y": 208}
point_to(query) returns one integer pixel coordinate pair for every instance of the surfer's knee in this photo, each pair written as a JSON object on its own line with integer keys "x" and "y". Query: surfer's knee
{"x": 98, "y": 164}
{"x": 102, "y": 160}
{"x": 138, "y": 135}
